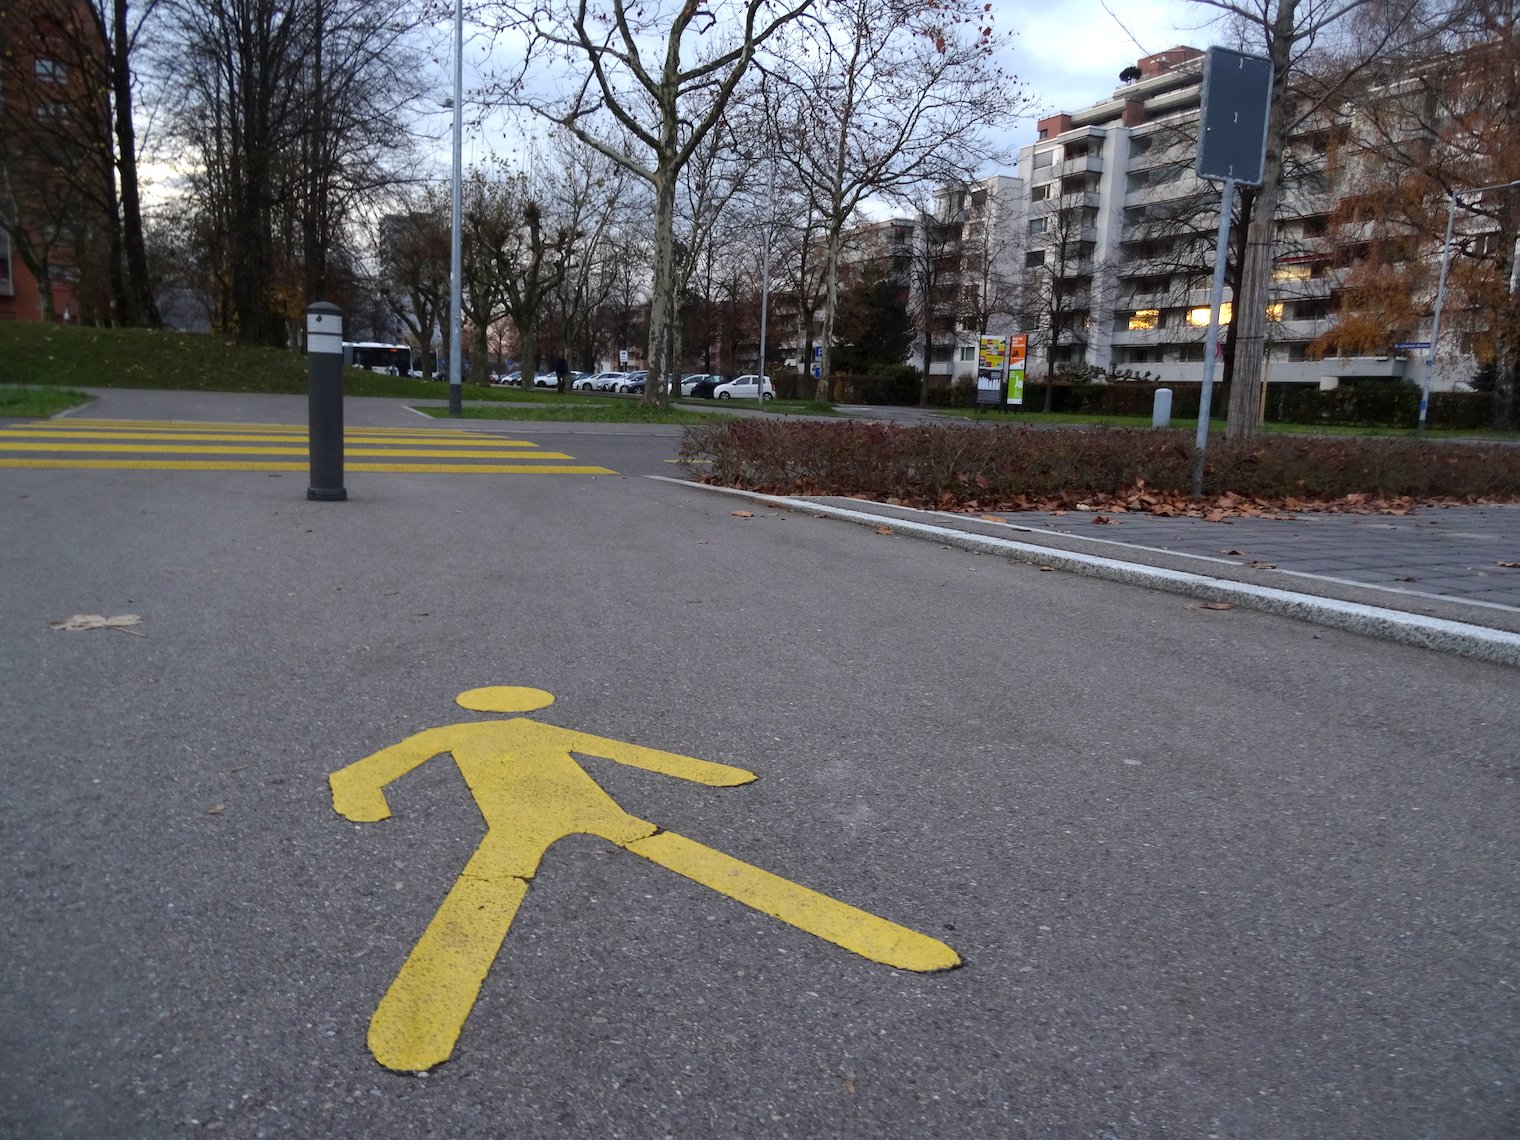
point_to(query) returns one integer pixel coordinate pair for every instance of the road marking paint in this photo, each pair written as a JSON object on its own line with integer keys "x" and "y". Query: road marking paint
{"x": 287, "y": 437}
{"x": 532, "y": 793}
{"x": 440, "y": 452}
{"x": 278, "y": 465}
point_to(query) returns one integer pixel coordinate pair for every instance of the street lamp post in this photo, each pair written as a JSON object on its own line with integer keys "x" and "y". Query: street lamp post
{"x": 1435, "y": 324}
{"x": 456, "y": 261}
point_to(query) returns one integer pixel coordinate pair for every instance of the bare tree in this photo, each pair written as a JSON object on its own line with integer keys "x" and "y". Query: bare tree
{"x": 1293, "y": 34}
{"x": 292, "y": 113}
{"x": 650, "y": 83}
{"x": 879, "y": 98}
{"x": 68, "y": 143}
{"x": 412, "y": 255}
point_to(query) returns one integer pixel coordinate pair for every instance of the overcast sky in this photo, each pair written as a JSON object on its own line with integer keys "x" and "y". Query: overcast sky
{"x": 1070, "y": 52}
{"x": 1067, "y": 53}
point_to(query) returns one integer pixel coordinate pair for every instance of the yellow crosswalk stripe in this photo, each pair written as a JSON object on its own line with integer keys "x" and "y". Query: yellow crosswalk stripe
{"x": 276, "y": 465}
{"x": 240, "y": 437}
{"x": 214, "y": 449}
{"x": 78, "y": 444}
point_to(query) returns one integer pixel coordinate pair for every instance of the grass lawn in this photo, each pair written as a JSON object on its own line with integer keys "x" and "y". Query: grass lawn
{"x": 778, "y": 407}
{"x": 70, "y": 356}
{"x": 38, "y": 402}
{"x": 566, "y": 410}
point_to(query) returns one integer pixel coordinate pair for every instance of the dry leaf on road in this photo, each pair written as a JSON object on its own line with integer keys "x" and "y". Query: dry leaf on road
{"x": 77, "y": 622}
{"x": 1218, "y": 606}
{"x": 883, "y": 530}
{"x": 742, "y": 514}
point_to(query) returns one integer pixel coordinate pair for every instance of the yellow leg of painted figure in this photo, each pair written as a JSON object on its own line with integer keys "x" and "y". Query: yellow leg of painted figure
{"x": 818, "y": 914}
{"x": 418, "y": 1021}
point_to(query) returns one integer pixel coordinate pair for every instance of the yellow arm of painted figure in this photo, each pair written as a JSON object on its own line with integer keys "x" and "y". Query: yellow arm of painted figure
{"x": 653, "y": 760}
{"x": 358, "y": 790}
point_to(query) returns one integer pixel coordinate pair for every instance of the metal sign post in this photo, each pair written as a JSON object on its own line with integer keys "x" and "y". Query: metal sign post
{"x": 1232, "y": 148}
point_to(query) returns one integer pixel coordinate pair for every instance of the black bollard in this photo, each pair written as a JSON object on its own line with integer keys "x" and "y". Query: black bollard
{"x": 324, "y": 356}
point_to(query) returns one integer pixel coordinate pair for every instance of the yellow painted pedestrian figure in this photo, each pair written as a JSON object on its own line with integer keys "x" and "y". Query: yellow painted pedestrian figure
{"x": 532, "y": 792}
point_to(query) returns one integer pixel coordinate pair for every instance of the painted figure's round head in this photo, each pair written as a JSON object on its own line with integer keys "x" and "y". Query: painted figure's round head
{"x": 504, "y": 699}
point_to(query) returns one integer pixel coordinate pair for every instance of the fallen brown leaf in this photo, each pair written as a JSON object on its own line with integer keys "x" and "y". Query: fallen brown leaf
{"x": 1232, "y": 550}
{"x": 1102, "y": 519}
{"x": 884, "y": 530}
{"x": 993, "y": 518}
{"x": 216, "y": 809}
{"x": 76, "y": 623}
{"x": 1047, "y": 569}
{"x": 1263, "y": 566}
{"x": 1218, "y": 606}
{"x": 742, "y": 514}
{"x": 1511, "y": 565}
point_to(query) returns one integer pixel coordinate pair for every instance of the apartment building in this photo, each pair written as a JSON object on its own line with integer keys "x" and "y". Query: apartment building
{"x": 49, "y": 216}
{"x": 1105, "y": 242}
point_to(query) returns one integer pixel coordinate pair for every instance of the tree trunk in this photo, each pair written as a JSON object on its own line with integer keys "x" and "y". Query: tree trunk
{"x": 142, "y": 308}
{"x": 1249, "y": 314}
{"x": 822, "y": 391}
{"x": 657, "y": 387}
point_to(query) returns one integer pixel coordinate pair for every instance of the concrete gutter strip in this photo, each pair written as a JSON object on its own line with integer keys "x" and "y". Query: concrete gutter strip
{"x": 1461, "y": 638}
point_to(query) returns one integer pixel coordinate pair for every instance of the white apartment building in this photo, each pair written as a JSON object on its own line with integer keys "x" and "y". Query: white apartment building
{"x": 1107, "y": 236}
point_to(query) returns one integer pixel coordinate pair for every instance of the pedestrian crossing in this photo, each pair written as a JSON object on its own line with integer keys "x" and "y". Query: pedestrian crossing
{"x": 141, "y": 445}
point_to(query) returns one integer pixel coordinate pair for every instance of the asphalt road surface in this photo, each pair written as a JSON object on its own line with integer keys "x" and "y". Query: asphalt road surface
{"x": 1210, "y": 873}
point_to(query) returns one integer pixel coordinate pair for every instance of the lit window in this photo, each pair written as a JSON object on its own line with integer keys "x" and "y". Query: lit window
{"x": 1275, "y": 311}
{"x": 1199, "y": 317}
{"x": 1292, "y": 272}
{"x": 1142, "y": 319}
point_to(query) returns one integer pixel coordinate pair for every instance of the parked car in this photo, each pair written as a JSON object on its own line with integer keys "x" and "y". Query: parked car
{"x": 703, "y": 389}
{"x": 600, "y": 382}
{"x": 745, "y": 387}
{"x": 633, "y": 382}
{"x": 507, "y": 378}
{"x": 690, "y": 382}
{"x": 546, "y": 380}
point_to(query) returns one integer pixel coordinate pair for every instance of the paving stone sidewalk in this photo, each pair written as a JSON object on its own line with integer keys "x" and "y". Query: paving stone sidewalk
{"x": 1447, "y": 562}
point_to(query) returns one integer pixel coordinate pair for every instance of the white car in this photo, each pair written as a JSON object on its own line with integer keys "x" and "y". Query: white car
{"x": 744, "y": 388}
{"x": 600, "y": 382}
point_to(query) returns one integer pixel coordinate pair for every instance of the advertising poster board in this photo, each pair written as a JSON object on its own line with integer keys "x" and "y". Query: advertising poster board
{"x": 1018, "y": 350}
{"x": 991, "y": 364}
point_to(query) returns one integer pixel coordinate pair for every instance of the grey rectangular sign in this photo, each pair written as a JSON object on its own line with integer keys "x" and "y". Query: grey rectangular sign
{"x": 1232, "y": 129}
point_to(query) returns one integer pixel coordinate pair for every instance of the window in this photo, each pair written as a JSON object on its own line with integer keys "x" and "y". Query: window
{"x": 1138, "y": 146}
{"x": 1040, "y": 193}
{"x": 1275, "y": 311}
{"x": 941, "y": 353}
{"x": 51, "y": 71}
{"x": 968, "y": 352}
{"x": 52, "y": 112}
{"x": 1044, "y": 158}
{"x": 1199, "y": 317}
{"x": 1034, "y": 258}
{"x": 1036, "y": 225}
{"x": 1143, "y": 319}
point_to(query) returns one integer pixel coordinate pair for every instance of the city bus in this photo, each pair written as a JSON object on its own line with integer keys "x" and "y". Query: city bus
{"x": 391, "y": 359}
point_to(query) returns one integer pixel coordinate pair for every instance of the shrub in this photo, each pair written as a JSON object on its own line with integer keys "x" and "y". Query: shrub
{"x": 948, "y": 465}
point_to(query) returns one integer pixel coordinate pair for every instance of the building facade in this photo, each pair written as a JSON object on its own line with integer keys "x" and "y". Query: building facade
{"x": 1105, "y": 242}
